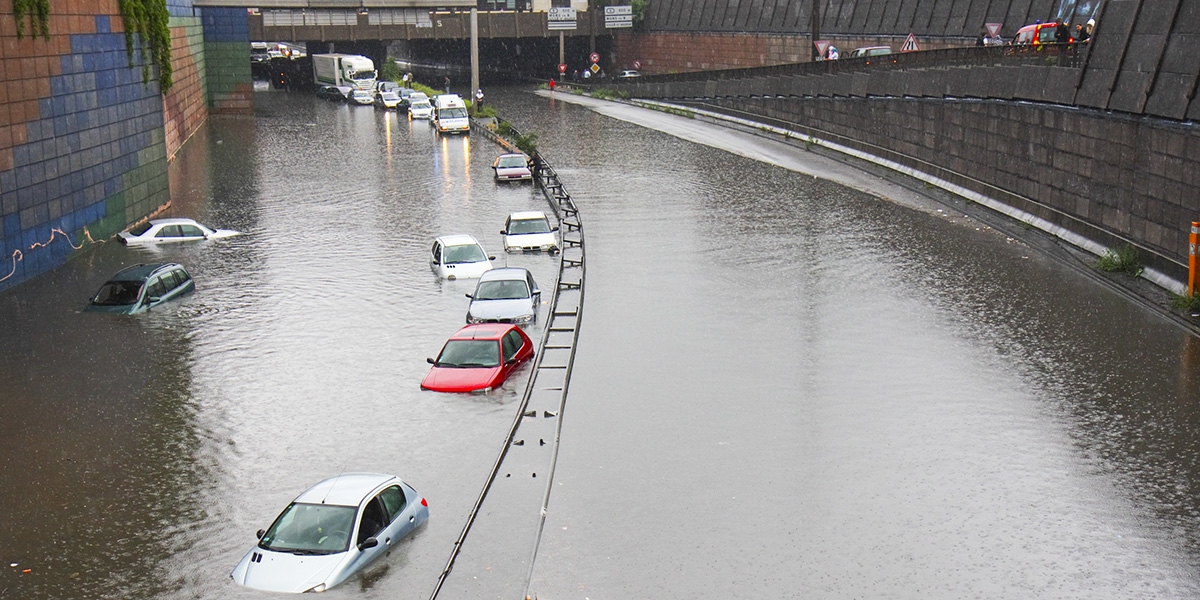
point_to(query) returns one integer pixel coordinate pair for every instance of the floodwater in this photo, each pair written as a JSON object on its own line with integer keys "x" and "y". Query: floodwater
{"x": 784, "y": 387}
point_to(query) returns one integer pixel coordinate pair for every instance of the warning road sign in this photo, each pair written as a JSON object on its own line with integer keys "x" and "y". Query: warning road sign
{"x": 910, "y": 44}
{"x": 821, "y": 45}
{"x": 993, "y": 28}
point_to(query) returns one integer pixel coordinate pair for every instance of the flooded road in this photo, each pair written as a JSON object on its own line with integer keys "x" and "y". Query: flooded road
{"x": 784, "y": 387}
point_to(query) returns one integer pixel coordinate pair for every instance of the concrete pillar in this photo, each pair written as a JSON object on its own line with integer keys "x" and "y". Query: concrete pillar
{"x": 474, "y": 52}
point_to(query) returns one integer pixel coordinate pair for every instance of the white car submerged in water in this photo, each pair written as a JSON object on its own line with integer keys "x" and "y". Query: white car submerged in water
{"x": 330, "y": 532}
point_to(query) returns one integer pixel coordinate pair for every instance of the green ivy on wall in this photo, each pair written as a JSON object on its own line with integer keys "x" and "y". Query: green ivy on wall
{"x": 39, "y": 17}
{"x": 149, "y": 20}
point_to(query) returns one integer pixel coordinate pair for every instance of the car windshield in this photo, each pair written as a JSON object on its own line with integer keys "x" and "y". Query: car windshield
{"x": 453, "y": 113}
{"x": 118, "y": 293}
{"x": 389, "y": 96}
{"x": 310, "y": 529}
{"x": 470, "y": 353}
{"x": 517, "y": 226}
{"x": 469, "y": 253}
{"x": 421, "y": 105}
{"x": 501, "y": 290}
{"x": 512, "y": 161}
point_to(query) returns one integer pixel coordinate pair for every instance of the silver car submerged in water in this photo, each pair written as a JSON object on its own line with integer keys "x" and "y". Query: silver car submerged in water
{"x": 330, "y": 532}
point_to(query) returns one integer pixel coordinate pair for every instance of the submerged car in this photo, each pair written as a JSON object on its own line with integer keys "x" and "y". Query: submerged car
{"x": 478, "y": 358}
{"x": 507, "y": 295}
{"x": 361, "y": 97}
{"x": 529, "y": 231}
{"x": 511, "y": 167}
{"x": 330, "y": 532}
{"x": 420, "y": 109}
{"x": 141, "y": 287}
{"x": 333, "y": 92}
{"x": 458, "y": 257}
{"x": 157, "y": 231}
{"x": 387, "y": 100}
{"x": 629, "y": 74}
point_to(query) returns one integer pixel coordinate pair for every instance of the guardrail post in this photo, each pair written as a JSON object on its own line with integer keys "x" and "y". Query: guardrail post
{"x": 1193, "y": 242}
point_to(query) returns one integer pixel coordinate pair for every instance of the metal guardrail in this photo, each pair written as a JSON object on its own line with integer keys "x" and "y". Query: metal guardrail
{"x": 556, "y": 355}
{"x": 1066, "y": 55}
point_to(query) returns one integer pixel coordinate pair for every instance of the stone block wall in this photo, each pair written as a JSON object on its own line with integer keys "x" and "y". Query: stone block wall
{"x": 185, "y": 106}
{"x": 82, "y": 145}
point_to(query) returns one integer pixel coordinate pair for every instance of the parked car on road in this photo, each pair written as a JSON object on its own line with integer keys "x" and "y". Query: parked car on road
{"x": 529, "y": 231}
{"x": 478, "y": 358}
{"x": 361, "y": 97}
{"x": 459, "y": 257}
{"x": 387, "y": 100}
{"x": 333, "y": 530}
{"x": 333, "y": 92}
{"x": 511, "y": 167}
{"x": 420, "y": 109}
{"x": 159, "y": 231}
{"x": 507, "y": 295}
{"x": 870, "y": 51}
{"x": 141, "y": 287}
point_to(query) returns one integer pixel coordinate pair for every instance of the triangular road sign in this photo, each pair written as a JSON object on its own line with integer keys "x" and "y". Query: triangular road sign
{"x": 910, "y": 44}
{"x": 821, "y": 45}
{"x": 993, "y": 28}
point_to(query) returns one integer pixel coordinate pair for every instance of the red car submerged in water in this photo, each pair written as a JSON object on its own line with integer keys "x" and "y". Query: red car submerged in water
{"x": 478, "y": 358}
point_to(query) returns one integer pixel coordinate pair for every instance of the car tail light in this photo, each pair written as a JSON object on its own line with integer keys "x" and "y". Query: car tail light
{"x": 424, "y": 503}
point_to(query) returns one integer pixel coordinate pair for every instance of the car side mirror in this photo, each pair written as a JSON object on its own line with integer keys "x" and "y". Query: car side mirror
{"x": 553, "y": 229}
{"x": 431, "y": 361}
{"x": 469, "y": 296}
{"x": 537, "y": 292}
{"x": 260, "y": 533}
{"x": 491, "y": 258}
{"x": 368, "y": 543}
{"x": 153, "y": 299}
{"x": 503, "y": 232}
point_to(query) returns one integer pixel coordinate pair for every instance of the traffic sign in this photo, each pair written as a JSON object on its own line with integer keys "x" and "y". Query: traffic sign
{"x": 559, "y": 18}
{"x": 594, "y": 57}
{"x": 910, "y": 44}
{"x": 618, "y": 16}
{"x": 993, "y": 28}
{"x": 595, "y": 68}
{"x": 637, "y": 64}
{"x": 822, "y": 46}
{"x": 562, "y": 67}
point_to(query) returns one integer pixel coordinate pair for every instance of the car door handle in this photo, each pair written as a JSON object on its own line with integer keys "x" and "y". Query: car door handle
{"x": 412, "y": 519}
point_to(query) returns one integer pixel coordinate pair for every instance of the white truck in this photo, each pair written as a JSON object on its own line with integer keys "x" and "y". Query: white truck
{"x": 344, "y": 70}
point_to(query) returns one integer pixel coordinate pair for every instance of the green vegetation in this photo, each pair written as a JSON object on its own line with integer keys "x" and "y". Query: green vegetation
{"x": 39, "y": 17}
{"x": 503, "y": 128}
{"x": 1191, "y": 304}
{"x": 527, "y": 143}
{"x": 390, "y": 71}
{"x": 1122, "y": 259}
{"x": 485, "y": 112}
{"x": 149, "y": 20}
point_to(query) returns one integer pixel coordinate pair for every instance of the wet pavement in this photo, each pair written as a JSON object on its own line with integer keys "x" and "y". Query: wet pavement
{"x": 784, "y": 387}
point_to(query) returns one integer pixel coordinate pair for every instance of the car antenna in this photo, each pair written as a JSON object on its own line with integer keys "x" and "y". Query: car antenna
{"x": 335, "y": 480}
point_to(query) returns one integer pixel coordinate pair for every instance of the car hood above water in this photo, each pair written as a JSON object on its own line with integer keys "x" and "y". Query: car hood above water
{"x": 469, "y": 379}
{"x": 286, "y": 572}
{"x": 500, "y": 310}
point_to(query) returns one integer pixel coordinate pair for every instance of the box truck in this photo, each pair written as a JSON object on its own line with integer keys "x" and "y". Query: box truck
{"x": 344, "y": 70}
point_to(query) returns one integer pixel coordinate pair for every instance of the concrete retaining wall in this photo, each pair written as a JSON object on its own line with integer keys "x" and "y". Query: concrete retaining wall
{"x": 84, "y": 141}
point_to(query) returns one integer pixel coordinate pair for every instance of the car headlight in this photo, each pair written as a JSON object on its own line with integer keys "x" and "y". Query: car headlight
{"x": 482, "y": 390}
{"x": 523, "y": 318}
{"x": 316, "y": 589}
{"x": 512, "y": 248}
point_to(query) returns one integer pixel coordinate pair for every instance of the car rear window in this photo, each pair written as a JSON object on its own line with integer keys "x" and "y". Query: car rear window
{"x": 140, "y": 229}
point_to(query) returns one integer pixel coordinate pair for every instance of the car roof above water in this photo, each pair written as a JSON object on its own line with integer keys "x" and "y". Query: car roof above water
{"x": 504, "y": 273}
{"x": 482, "y": 331}
{"x": 527, "y": 214}
{"x": 140, "y": 272}
{"x": 458, "y": 240}
{"x": 347, "y": 489}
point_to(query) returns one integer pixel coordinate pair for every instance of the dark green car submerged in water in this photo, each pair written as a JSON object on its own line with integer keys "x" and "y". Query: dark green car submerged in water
{"x": 141, "y": 287}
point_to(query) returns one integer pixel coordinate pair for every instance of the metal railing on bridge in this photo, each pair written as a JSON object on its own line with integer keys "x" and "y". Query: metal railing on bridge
{"x": 1065, "y": 55}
